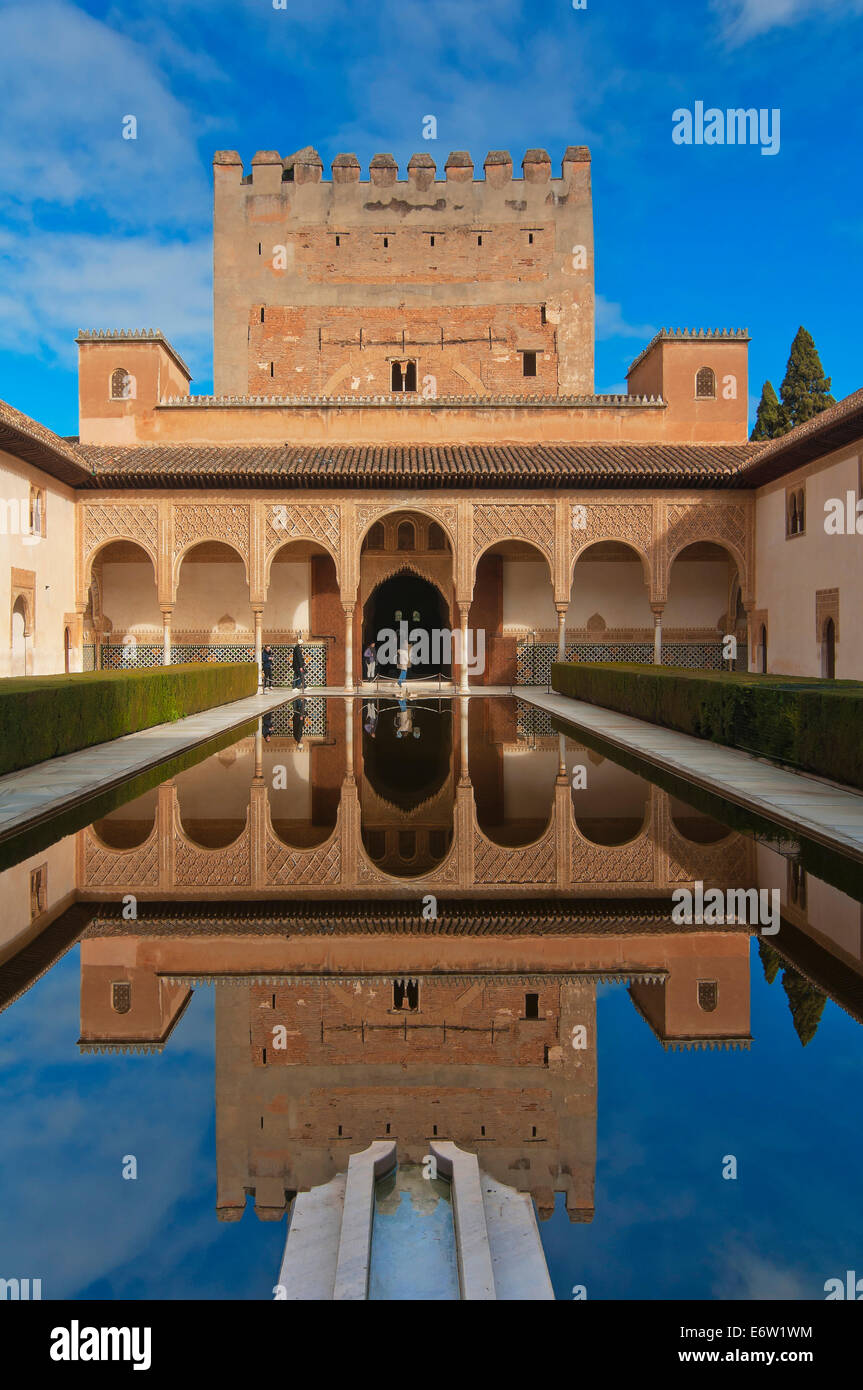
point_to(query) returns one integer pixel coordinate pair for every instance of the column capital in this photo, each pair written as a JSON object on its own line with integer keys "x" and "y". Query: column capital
{"x": 657, "y": 610}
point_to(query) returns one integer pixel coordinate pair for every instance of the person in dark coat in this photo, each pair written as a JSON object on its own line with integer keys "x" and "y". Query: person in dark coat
{"x": 298, "y": 722}
{"x": 267, "y": 667}
{"x": 298, "y": 663}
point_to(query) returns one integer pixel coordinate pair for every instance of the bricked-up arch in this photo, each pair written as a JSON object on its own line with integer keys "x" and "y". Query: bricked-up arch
{"x": 123, "y": 598}
{"x": 729, "y": 524}
{"x": 215, "y": 613}
{"x": 711, "y": 602}
{"x": 613, "y": 549}
{"x": 129, "y": 826}
{"x": 613, "y": 809}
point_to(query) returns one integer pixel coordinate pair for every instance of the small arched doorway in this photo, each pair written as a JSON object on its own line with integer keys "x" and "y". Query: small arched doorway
{"x": 408, "y": 603}
{"x": 19, "y": 638}
{"x": 67, "y": 649}
{"x": 828, "y": 650}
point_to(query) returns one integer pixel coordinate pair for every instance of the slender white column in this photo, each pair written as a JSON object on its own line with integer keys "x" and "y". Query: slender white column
{"x": 561, "y": 632}
{"x": 259, "y": 641}
{"x": 464, "y": 680}
{"x": 166, "y": 635}
{"x": 657, "y": 635}
{"x": 349, "y": 645}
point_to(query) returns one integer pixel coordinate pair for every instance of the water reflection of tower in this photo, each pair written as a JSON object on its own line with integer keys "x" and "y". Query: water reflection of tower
{"x": 491, "y": 1065}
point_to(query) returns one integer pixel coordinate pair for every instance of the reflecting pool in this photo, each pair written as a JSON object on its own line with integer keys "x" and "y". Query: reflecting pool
{"x": 424, "y": 920}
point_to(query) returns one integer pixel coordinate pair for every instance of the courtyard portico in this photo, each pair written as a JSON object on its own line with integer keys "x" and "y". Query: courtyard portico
{"x": 540, "y": 574}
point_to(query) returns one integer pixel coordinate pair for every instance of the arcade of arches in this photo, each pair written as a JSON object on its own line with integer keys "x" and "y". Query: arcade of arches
{"x": 652, "y": 579}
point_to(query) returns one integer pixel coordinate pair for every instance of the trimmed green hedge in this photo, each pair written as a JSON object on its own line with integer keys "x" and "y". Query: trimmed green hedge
{"x": 815, "y": 725}
{"x": 45, "y": 716}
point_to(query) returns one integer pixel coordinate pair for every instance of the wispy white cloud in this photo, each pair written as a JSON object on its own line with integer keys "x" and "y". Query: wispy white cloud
{"x": 51, "y": 287}
{"x": 68, "y": 81}
{"x": 610, "y": 322}
{"x": 742, "y": 20}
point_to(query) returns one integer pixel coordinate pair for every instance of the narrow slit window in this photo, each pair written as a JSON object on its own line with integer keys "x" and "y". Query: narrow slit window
{"x": 386, "y": 241}
{"x": 262, "y": 313}
{"x": 530, "y": 238}
{"x": 479, "y": 241}
{"x": 431, "y": 241}
{"x": 338, "y": 241}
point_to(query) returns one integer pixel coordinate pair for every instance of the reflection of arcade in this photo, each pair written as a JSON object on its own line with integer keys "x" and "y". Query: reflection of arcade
{"x": 407, "y": 793}
{"x": 497, "y": 1052}
{"x": 368, "y": 809}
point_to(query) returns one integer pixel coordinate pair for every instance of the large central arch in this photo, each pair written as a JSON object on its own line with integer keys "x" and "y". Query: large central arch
{"x": 408, "y": 597}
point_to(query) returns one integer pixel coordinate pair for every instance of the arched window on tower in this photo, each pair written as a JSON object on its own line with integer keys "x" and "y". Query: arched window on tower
{"x": 122, "y": 385}
{"x": 397, "y": 380}
{"x": 705, "y": 383}
{"x": 121, "y": 997}
{"x": 406, "y": 536}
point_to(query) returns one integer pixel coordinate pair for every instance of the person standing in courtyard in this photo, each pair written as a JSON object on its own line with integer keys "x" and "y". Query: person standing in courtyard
{"x": 267, "y": 668}
{"x": 298, "y": 661}
{"x": 404, "y": 661}
{"x": 369, "y": 657}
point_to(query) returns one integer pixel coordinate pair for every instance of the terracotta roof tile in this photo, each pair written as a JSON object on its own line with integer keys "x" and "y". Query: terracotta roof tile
{"x": 429, "y": 466}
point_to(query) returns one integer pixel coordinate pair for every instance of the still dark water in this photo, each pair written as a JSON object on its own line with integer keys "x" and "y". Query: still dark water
{"x": 708, "y": 1050}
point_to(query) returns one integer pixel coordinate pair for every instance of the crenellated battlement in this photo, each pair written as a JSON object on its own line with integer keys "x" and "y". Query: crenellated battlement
{"x": 269, "y": 170}
{"x": 468, "y": 278}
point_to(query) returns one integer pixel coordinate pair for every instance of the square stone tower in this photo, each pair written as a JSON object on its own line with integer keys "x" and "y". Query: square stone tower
{"x": 423, "y": 287}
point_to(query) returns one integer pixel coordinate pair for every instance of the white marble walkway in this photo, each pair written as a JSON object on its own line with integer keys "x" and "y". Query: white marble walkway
{"x": 820, "y": 810}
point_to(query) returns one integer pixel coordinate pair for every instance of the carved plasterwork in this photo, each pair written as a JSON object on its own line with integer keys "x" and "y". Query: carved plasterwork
{"x": 534, "y": 863}
{"x": 212, "y": 521}
{"x": 311, "y": 521}
{"x": 514, "y": 521}
{"x": 631, "y": 523}
{"x": 611, "y": 866}
{"x": 725, "y": 523}
{"x": 195, "y": 866}
{"x": 291, "y": 867}
{"x": 116, "y": 521}
{"x": 104, "y": 867}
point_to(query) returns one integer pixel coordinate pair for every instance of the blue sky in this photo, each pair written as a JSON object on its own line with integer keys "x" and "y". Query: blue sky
{"x": 98, "y": 231}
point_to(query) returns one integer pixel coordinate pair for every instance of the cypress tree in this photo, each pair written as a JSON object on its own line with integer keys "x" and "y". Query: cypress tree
{"x": 767, "y": 420}
{"x": 806, "y": 1004}
{"x": 805, "y": 392}
{"x": 770, "y": 959}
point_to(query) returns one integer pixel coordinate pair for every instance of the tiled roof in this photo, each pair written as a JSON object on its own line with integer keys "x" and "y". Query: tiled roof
{"x": 570, "y": 916}
{"x": 32, "y": 442}
{"x": 433, "y": 466}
